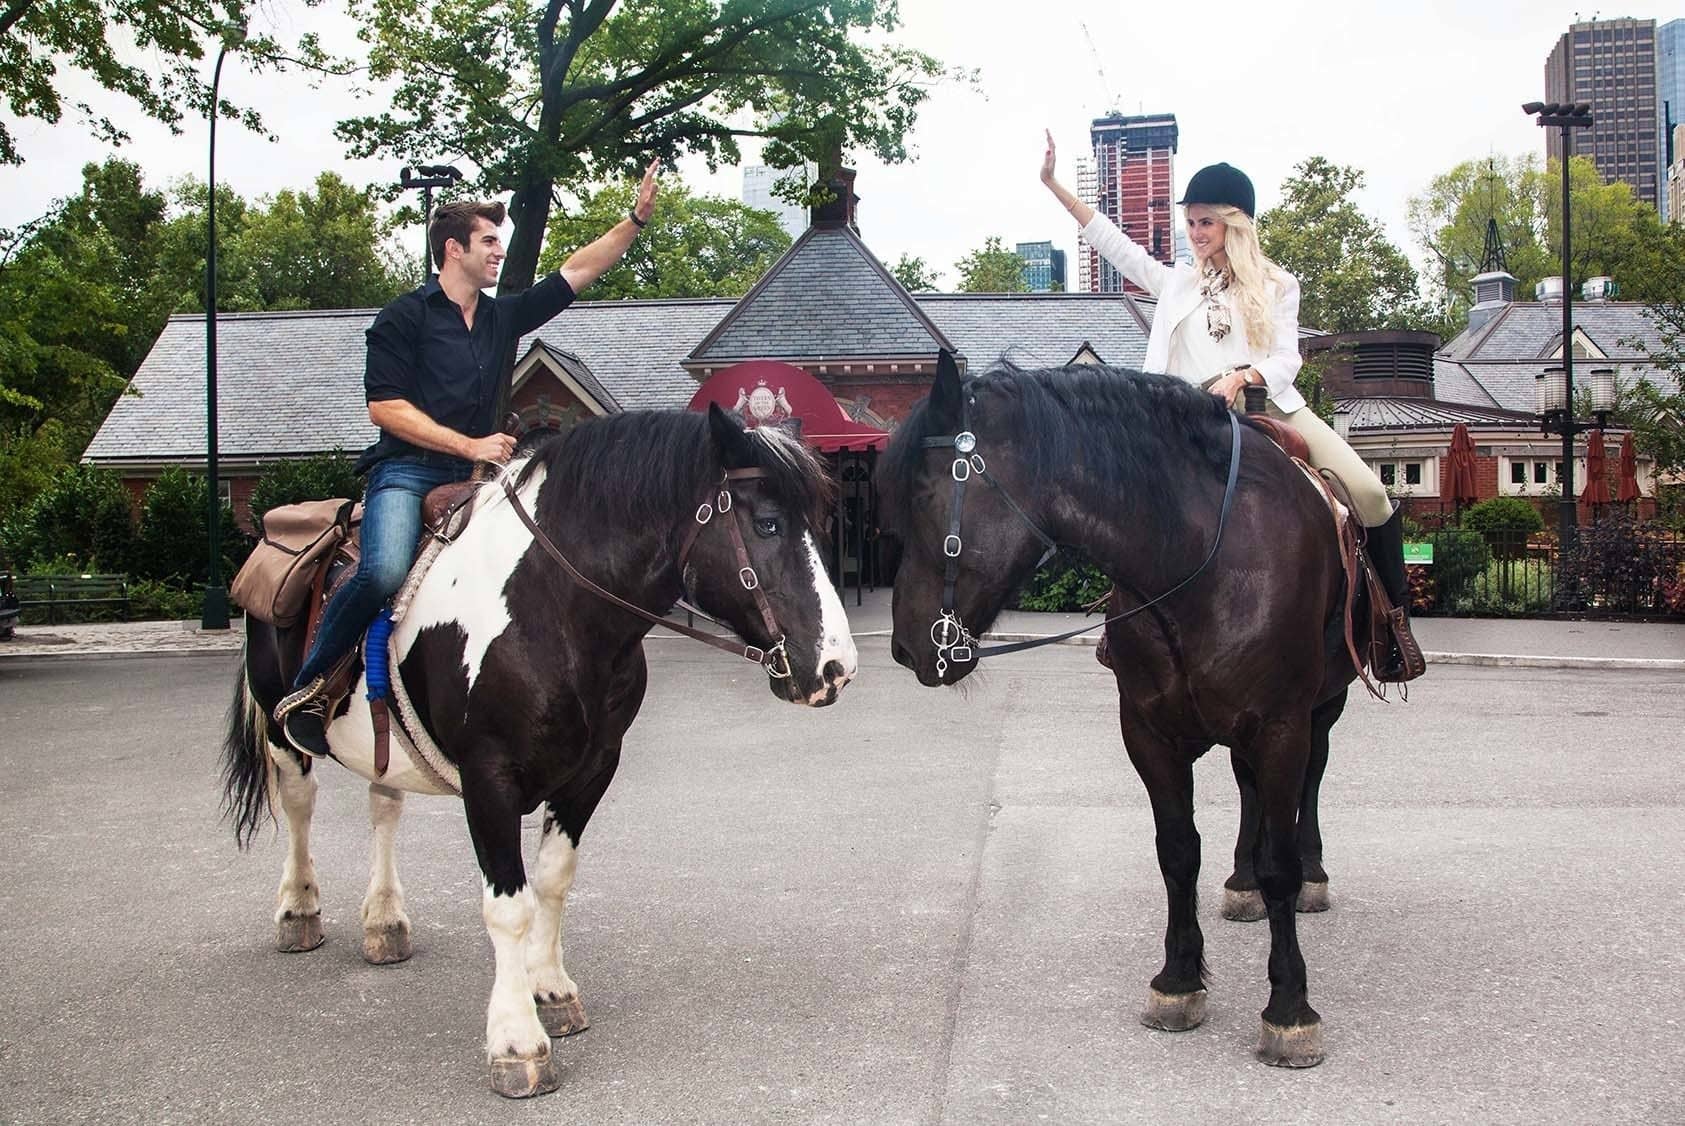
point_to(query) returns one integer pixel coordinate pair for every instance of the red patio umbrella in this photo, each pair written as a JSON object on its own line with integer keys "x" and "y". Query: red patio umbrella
{"x": 1596, "y": 491}
{"x": 1459, "y": 467}
{"x": 1628, "y": 487}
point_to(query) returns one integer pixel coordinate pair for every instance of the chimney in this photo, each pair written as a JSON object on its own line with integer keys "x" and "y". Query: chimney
{"x": 1548, "y": 291}
{"x": 840, "y": 209}
{"x": 1492, "y": 291}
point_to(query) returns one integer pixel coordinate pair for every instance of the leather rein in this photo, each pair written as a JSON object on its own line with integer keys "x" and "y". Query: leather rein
{"x": 775, "y": 660}
{"x": 948, "y": 633}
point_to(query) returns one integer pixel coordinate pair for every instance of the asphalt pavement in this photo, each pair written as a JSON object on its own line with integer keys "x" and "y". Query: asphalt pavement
{"x": 932, "y": 907}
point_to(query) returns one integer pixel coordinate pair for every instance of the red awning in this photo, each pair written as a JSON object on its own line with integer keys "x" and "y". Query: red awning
{"x": 769, "y": 393}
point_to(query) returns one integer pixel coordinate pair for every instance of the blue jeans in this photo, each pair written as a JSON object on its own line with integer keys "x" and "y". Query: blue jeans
{"x": 391, "y": 527}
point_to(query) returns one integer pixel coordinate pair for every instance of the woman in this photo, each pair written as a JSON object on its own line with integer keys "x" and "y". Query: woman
{"x": 1231, "y": 319}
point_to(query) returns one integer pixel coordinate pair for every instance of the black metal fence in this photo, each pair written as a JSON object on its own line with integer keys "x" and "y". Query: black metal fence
{"x": 1617, "y": 566}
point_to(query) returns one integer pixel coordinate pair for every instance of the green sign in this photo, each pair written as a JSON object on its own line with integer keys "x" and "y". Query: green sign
{"x": 1418, "y": 553}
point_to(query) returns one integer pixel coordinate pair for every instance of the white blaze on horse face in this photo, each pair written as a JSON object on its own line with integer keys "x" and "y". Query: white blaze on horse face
{"x": 465, "y": 585}
{"x": 836, "y": 643}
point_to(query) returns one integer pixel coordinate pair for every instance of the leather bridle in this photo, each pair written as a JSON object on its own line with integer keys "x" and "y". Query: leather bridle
{"x": 774, "y": 659}
{"x": 948, "y": 633}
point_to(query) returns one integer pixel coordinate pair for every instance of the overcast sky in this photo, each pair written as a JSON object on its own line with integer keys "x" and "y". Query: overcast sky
{"x": 1400, "y": 90}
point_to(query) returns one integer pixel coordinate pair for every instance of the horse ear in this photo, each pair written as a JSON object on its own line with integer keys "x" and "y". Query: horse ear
{"x": 731, "y": 441}
{"x": 945, "y": 392}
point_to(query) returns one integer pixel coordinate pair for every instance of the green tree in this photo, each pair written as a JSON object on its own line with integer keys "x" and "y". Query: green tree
{"x": 914, "y": 274}
{"x": 317, "y": 477}
{"x": 172, "y": 544}
{"x": 582, "y": 91}
{"x": 324, "y": 250}
{"x": 1449, "y": 220}
{"x": 993, "y": 269}
{"x": 1351, "y": 277}
{"x": 38, "y": 38}
{"x": 81, "y": 520}
{"x": 695, "y": 246}
{"x": 1614, "y": 234}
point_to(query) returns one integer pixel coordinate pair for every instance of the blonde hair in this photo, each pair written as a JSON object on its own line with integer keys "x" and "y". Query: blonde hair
{"x": 1257, "y": 281}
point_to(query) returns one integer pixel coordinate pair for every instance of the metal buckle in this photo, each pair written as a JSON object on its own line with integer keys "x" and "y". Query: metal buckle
{"x": 962, "y": 469}
{"x": 772, "y": 661}
{"x": 951, "y": 547}
{"x": 977, "y": 463}
{"x": 704, "y": 512}
{"x": 724, "y": 504}
{"x": 965, "y": 441}
{"x": 962, "y": 653}
{"x": 755, "y": 653}
{"x": 748, "y": 578}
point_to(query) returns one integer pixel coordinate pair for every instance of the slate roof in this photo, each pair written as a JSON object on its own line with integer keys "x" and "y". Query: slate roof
{"x": 292, "y": 383}
{"x": 791, "y": 313}
{"x": 1520, "y": 331}
{"x": 1038, "y": 329}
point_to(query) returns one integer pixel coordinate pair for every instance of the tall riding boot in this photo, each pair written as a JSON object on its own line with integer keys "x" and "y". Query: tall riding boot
{"x": 1385, "y": 545}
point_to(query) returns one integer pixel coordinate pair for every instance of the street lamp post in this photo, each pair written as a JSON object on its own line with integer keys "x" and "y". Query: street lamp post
{"x": 215, "y": 614}
{"x": 1566, "y": 116}
{"x": 427, "y": 177}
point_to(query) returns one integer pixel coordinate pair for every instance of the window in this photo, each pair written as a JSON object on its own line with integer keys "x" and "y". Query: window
{"x": 1409, "y": 477}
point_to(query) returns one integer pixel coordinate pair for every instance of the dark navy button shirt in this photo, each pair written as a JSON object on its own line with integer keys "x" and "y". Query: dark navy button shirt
{"x": 421, "y": 351}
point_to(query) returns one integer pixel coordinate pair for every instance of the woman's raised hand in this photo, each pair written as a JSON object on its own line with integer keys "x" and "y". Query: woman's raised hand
{"x": 1048, "y": 160}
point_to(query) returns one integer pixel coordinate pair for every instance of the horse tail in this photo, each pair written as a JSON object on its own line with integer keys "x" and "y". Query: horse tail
{"x": 246, "y": 765}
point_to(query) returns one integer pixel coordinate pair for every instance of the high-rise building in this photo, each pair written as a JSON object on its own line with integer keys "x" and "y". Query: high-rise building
{"x": 1676, "y": 178}
{"x": 1089, "y": 193}
{"x": 1044, "y": 267}
{"x": 1670, "y": 100}
{"x": 1134, "y": 171}
{"x": 1612, "y": 65}
{"x": 758, "y": 181}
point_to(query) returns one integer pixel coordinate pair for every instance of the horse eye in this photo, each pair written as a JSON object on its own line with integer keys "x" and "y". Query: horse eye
{"x": 766, "y": 526}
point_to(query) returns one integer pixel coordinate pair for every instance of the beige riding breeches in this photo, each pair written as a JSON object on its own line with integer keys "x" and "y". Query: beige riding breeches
{"x": 1329, "y": 451}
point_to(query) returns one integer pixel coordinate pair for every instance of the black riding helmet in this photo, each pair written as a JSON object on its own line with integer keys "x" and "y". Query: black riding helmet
{"x": 1222, "y": 183}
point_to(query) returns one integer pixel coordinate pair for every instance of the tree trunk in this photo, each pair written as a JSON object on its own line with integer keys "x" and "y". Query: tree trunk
{"x": 529, "y": 208}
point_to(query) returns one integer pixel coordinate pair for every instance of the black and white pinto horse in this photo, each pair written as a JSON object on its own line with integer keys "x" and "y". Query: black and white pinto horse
{"x": 527, "y": 682}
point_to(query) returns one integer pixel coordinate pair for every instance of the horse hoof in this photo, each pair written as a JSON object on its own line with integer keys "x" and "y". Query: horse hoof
{"x": 387, "y": 946}
{"x": 1296, "y": 1046}
{"x": 1243, "y": 906}
{"x": 563, "y": 1018}
{"x": 1174, "y": 1012}
{"x": 516, "y": 1078}
{"x": 1313, "y": 897}
{"x": 296, "y": 934}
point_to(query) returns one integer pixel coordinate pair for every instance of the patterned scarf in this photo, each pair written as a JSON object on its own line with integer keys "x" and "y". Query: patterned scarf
{"x": 1212, "y": 282}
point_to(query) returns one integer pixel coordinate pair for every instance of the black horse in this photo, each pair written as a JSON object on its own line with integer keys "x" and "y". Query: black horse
{"x": 1228, "y": 553}
{"x": 525, "y": 681}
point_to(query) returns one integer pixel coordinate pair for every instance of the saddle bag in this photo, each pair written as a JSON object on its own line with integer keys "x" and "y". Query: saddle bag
{"x": 275, "y": 584}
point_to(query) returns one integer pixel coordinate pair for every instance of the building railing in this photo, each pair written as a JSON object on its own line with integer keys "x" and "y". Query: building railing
{"x": 1618, "y": 567}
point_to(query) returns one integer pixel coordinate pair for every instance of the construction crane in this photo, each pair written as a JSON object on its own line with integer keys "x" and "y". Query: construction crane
{"x": 1108, "y": 98}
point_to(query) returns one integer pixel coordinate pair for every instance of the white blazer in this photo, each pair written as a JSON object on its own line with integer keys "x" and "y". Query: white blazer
{"x": 1177, "y": 290}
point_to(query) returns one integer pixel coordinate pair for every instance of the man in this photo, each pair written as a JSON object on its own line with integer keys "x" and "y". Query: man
{"x": 436, "y": 359}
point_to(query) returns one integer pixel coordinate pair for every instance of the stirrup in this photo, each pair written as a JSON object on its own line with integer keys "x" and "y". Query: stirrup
{"x": 1411, "y": 663}
{"x": 295, "y": 700}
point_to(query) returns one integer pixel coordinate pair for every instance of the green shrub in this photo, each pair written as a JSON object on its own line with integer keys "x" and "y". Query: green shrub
{"x": 1509, "y": 587}
{"x": 1066, "y": 584}
{"x": 317, "y": 477}
{"x": 154, "y": 601}
{"x": 82, "y": 521}
{"x": 1458, "y": 556}
{"x": 1506, "y": 522}
{"x": 173, "y": 544}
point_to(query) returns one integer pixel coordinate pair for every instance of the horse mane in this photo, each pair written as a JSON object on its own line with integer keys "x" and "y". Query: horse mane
{"x": 1127, "y": 433}
{"x": 653, "y": 467}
